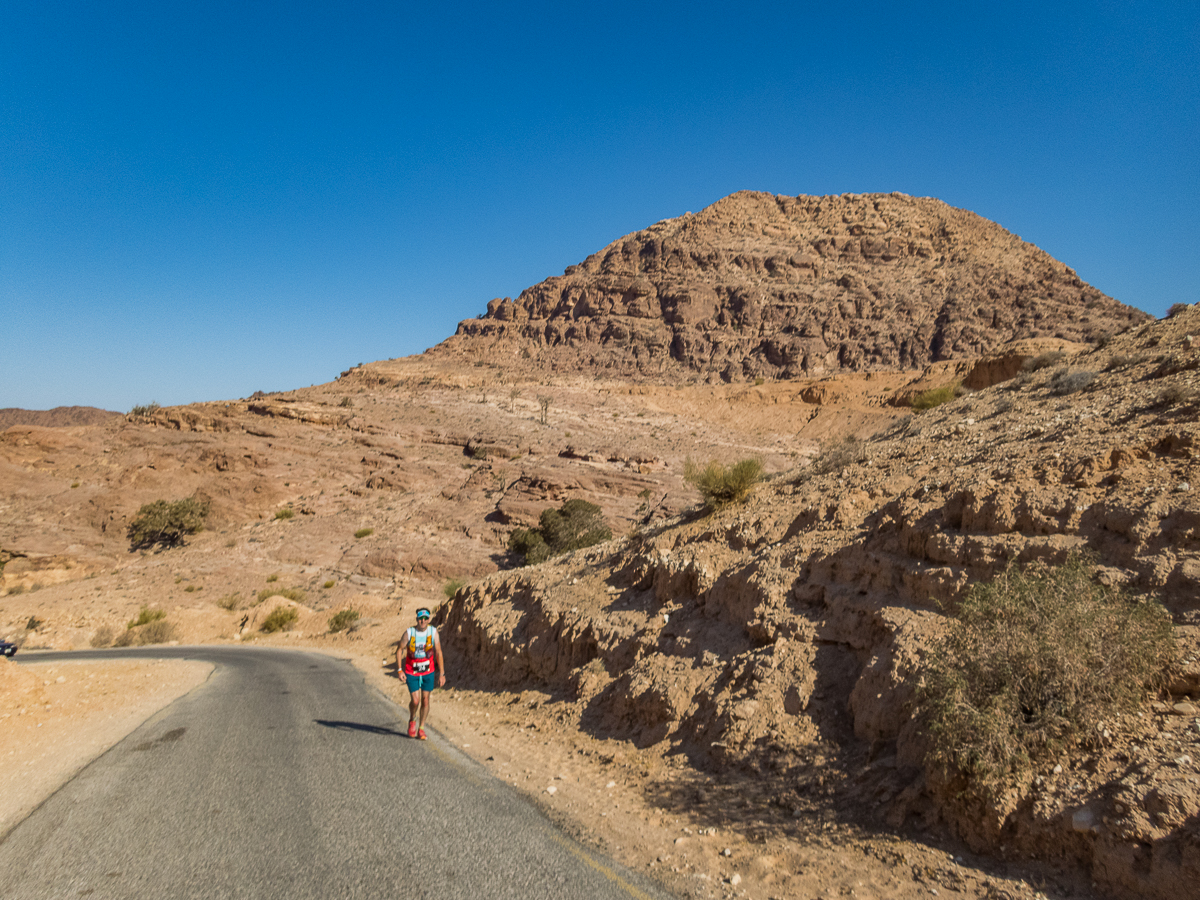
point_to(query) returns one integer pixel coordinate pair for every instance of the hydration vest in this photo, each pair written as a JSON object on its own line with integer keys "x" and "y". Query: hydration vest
{"x": 419, "y": 660}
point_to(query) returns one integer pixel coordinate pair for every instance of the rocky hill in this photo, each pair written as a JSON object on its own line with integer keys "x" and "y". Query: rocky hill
{"x": 759, "y": 285}
{"x": 59, "y": 417}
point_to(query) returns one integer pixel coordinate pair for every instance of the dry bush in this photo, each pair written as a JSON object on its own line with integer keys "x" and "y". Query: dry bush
{"x": 294, "y": 594}
{"x": 230, "y": 602}
{"x": 846, "y": 452}
{"x": 1043, "y": 361}
{"x": 342, "y": 619}
{"x": 281, "y": 618}
{"x": 158, "y": 631}
{"x": 1034, "y": 661}
{"x": 1065, "y": 381}
{"x": 103, "y": 637}
{"x": 147, "y": 615}
{"x": 720, "y": 485}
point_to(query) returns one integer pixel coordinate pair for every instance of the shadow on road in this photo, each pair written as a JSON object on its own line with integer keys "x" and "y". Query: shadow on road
{"x": 360, "y": 726}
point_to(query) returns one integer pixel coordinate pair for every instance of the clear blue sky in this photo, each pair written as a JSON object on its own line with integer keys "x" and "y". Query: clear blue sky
{"x": 198, "y": 201}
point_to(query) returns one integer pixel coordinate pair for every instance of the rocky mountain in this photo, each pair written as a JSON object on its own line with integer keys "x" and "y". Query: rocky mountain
{"x": 758, "y": 285}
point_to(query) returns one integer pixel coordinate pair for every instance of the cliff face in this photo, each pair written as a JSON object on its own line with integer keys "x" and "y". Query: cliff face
{"x": 759, "y": 285}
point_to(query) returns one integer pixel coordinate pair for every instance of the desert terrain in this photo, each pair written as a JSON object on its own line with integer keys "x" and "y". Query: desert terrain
{"x": 724, "y": 699}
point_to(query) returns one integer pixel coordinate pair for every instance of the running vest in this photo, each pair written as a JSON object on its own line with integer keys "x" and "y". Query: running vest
{"x": 420, "y": 657}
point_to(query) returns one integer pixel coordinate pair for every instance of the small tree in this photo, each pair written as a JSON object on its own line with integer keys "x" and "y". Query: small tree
{"x": 544, "y": 405}
{"x": 166, "y": 523}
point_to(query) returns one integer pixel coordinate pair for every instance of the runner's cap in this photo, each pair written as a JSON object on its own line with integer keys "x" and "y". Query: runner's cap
{"x": 422, "y": 613}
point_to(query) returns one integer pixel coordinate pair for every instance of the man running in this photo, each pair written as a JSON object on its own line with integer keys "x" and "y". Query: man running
{"x": 419, "y": 657}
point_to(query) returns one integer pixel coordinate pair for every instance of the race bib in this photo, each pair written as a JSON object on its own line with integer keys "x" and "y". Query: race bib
{"x": 422, "y": 666}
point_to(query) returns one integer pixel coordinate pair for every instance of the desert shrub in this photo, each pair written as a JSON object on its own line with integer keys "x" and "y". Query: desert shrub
{"x": 328, "y": 584}
{"x": 364, "y": 532}
{"x": 1176, "y": 309}
{"x": 272, "y": 578}
{"x": 145, "y": 410}
{"x": 167, "y": 523}
{"x": 1034, "y": 660}
{"x": 33, "y": 623}
{"x": 720, "y": 485}
{"x": 285, "y": 513}
{"x": 281, "y": 618}
{"x": 158, "y": 631}
{"x": 574, "y": 525}
{"x": 1175, "y": 395}
{"x": 190, "y": 589}
{"x": 935, "y": 396}
{"x": 147, "y": 615}
{"x": 451, "y": 587}
{"x": 1065, "y": 381}
{"x": 230, "y": 601}
{"x": 1043, "y": 361}
{"x": 529, "y": 544}
{"x": 294, "y": 594}
{"x": 342, "y": 619}
{"x": 346, "y": 401}
{"x": 103, "y": 637}
{"x": 837, "y": 456}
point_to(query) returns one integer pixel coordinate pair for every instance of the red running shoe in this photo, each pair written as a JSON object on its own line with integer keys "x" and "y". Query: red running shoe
{"x": 421, "y": 735}
{"x": 412, "y": 727}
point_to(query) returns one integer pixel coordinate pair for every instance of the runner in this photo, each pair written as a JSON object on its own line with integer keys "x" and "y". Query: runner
{"x": 416, "y": 656}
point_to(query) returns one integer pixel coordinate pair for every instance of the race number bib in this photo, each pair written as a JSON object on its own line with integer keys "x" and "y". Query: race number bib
{"x": 422, "y": 666}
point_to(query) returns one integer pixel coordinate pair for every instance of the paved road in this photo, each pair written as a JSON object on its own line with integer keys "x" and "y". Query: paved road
{"x": 286, "y": 776}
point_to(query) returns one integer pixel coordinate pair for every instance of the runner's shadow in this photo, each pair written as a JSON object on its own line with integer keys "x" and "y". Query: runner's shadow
{"x": 359, "y": 726}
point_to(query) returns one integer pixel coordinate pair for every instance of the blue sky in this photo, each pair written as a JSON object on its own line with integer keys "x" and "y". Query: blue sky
{"x": 198, "y": 203}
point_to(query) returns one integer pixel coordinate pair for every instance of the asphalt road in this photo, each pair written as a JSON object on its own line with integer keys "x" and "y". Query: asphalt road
{"x": 286, "y": 776}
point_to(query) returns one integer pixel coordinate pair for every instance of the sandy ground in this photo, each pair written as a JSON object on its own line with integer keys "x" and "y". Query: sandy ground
{"x": 55, "y": 718}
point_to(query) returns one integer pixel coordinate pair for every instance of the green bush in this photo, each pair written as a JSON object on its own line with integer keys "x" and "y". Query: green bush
{"x": 343, "y": 619}
{"x": 574, "y": 525}
{"x": 285, "y": 513}
{"x": 529, "y": 544}
{"x": 451, "y": 587}
{"x": 281, "y": 618}
{"x": 272, "y": 578}
{"x": 328, "y": 584}
{"x": 721, "y": 486}
{"x": 935, "y": 396}
{"x": 1034, "y": 661}
{"x": 146, "y": 616}
{"x": 294, "y": 594}
{"x": 167, "y": 523}
{"x": 364, "y": 532}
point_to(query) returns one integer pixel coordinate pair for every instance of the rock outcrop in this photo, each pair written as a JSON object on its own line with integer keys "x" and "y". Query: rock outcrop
{"x": 759, "y": 285}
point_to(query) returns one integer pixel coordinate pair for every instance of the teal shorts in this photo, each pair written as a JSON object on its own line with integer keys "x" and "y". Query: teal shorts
{"x": 420, "y": 682}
